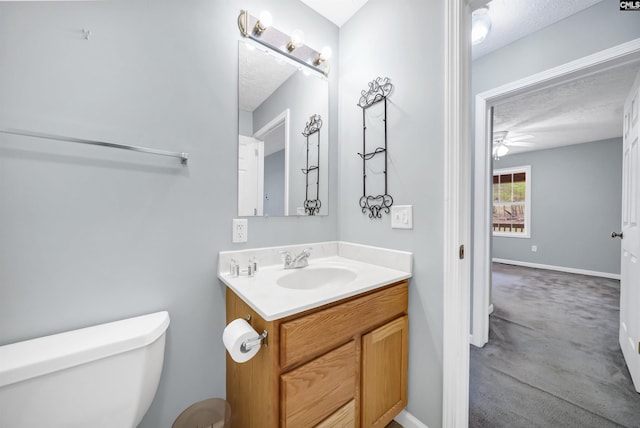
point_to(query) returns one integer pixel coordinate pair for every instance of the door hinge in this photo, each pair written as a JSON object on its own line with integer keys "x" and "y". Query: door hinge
{"x": 461, "y": 252}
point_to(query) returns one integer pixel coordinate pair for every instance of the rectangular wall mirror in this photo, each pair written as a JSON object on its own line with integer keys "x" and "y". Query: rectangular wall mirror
{"x": 282, "y": 149}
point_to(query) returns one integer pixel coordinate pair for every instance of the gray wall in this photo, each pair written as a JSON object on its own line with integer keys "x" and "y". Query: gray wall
{"x": 402, "y": 39}
{"x": 91, "y": 234}
{"x": 245, "y": 123}
{"x": 576, "y": 197}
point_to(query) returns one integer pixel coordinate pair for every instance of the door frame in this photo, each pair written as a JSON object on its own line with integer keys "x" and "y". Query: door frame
{"x": 284, "y": 119}
{"x": 456, "y": 211}
{"x": 599, "y": 61}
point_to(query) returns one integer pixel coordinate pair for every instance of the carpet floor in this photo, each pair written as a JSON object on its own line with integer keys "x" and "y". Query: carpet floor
{"x": 553, "y": 358}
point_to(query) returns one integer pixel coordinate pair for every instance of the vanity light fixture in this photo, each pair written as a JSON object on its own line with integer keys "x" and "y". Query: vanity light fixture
{"x": 480, "y": 25}
{"x": 292, "y": 47}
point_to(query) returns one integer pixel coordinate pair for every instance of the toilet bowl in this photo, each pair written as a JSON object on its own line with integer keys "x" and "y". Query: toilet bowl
{"x": 102, "y": 376}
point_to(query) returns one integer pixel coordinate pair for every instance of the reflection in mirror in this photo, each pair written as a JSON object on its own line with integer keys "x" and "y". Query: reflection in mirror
{"x": 276, "y": 100}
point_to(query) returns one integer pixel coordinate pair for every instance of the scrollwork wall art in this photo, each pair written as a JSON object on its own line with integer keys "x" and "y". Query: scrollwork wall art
{"x": 379, "y": 90}
{"x": 312, "y": 206}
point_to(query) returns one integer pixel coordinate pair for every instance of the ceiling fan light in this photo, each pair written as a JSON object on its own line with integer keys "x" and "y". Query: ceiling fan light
{"x": 501, "y": 150}
{"x": 480, "y": 25}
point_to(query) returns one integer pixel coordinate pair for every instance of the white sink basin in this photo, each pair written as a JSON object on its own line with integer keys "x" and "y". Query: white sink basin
{"x": 313, "y": 277}
{"x": 275, "y": 293}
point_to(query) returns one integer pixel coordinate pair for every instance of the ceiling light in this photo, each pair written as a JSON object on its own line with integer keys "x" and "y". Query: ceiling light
{"x": 480, "y": 25}
{"x": 500, "y": 150}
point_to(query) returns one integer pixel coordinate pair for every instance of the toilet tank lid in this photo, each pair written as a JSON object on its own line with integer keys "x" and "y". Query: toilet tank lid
{"x": 31, "y": 358}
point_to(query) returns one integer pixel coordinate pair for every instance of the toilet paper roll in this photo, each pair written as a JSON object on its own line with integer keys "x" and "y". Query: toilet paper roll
{"x": 236, "y": 332}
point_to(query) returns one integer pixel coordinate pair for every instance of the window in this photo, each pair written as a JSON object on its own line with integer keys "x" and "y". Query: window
{"x": 512, "y": 202}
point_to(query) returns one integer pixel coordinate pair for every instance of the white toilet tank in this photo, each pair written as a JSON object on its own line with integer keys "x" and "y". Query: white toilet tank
{"x": 102, "y": 376}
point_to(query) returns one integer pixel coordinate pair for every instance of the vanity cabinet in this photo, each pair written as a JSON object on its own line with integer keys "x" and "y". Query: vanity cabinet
{"x": 340, "y": 365}
{"x": 384, "y": 368}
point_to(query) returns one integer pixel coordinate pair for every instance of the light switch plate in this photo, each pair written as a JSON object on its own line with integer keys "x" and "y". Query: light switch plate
{"x": 240, "y": 230}
{"x": 402, "y": 217}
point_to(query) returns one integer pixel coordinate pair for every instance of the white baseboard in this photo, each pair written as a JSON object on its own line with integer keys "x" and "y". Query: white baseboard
{"x": 558, "y": 268}
{"x": 490, "y": 309}
{"x": 407, "y": 420}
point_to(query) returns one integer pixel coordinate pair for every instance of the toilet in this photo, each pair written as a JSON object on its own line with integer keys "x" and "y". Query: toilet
{"x": 103, "y": 376}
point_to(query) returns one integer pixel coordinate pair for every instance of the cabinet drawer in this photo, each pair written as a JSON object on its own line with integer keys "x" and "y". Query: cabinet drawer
{"x": 344, "y": 417}
{"x": 321, "y": 331}
{"x": 312, "y": 392}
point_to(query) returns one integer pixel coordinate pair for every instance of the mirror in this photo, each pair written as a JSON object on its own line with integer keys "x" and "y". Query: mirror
{"x": 280, "y": 170}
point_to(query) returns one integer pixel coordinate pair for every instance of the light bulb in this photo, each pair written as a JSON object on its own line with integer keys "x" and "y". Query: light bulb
{"x": 264, "y": 21}
{"x": 326, "y": 53}
{"x": 297, "y": 39}
{"x": 480, "y": 25}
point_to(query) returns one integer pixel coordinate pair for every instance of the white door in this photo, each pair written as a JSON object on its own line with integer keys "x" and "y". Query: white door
{"x": 630, "y": 265}
{"x": 250, "y": 176}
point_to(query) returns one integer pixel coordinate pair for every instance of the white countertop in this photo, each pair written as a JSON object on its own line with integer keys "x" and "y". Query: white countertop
{"x": 273, "y": 301}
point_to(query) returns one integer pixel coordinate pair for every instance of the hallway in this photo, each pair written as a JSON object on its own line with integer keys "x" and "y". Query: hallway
{"x": 553, "y": 358}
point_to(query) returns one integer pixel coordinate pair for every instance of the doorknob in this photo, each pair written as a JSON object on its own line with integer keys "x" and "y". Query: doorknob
{"x": 616, "y": 235}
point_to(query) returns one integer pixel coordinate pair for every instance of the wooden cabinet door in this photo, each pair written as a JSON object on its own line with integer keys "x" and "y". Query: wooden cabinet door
{"x": 384, "y": 373}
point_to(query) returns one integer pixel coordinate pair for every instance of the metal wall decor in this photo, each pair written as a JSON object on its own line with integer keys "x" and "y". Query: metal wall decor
{"x": 378, "y": 91}
{"x": 312, "y": 206}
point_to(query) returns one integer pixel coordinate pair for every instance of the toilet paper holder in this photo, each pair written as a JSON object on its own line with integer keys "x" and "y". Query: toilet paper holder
{"x": 248, "y": 345}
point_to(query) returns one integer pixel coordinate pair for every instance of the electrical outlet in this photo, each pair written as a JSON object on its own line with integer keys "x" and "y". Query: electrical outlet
{"x": 534, "y": 248}
{"x": 240, "y": 230}
{"x": 402, "y": 217}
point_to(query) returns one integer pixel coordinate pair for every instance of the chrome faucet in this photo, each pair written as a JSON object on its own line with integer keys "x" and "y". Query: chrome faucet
{"x": 299, "y": 261}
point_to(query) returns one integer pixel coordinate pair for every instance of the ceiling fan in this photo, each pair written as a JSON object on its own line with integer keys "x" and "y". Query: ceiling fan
{"x": 501, "y": 143}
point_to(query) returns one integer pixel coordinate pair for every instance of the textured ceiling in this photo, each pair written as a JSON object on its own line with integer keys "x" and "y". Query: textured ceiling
{"x": 514, "y": 19}
{"x": 584, "y": 109}
{"x": 260, "y": 74}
